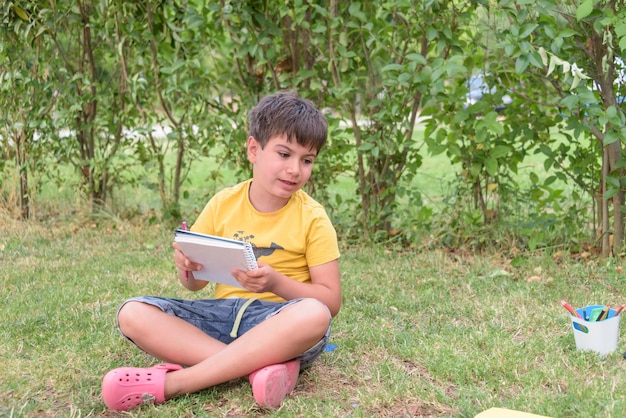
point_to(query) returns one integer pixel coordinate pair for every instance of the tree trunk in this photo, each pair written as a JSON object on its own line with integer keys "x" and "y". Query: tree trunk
{"x": 21, "y": 156}
{"x": 605, "y": 249}
{"x": 614, "y": 155}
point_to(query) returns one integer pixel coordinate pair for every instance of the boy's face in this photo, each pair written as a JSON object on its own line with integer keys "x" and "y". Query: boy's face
{"x": 281, "y": 168}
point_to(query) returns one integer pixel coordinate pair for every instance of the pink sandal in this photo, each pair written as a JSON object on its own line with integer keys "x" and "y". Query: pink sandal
{"x": 272, "y": 383}
{"x": 128, "y": 387}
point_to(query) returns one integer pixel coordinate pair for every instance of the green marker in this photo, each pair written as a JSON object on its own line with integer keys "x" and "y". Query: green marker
{"x": 595, "y": 313}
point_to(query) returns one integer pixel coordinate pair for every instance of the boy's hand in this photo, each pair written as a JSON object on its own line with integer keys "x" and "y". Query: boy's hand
{"x": 259, "y": 280}
{"x": 182, "y": 262}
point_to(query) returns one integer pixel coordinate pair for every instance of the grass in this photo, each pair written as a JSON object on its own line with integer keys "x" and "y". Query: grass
{"x": 419, "y": 333}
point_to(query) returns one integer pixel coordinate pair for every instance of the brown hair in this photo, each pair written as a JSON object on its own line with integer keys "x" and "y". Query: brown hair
{"x": 284, "y": 113}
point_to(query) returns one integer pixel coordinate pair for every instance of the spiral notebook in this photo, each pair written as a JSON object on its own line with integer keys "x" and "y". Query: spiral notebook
{"x": 218, "y": 255}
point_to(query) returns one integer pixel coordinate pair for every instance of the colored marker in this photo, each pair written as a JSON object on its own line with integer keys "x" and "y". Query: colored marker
{"x": 604, "y": 313}
{"x": 570, "y": 309}
{"x": 184, "y": 227}
{"x": 595, "y": 314}
{"x": 619, "y": 310}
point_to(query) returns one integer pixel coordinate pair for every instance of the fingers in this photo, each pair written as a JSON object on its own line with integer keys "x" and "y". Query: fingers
{"x": 182, "y": 262}
{"x": 258, "y": 280}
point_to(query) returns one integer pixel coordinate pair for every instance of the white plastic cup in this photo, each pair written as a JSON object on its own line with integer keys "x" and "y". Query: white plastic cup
{"x": 598, "y": 336}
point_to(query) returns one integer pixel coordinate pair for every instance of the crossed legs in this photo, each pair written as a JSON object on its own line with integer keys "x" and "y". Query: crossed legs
{"x": 278, "y": 339}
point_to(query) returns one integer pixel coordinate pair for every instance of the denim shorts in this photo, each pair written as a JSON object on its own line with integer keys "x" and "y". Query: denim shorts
{"x": 218, "y": 318}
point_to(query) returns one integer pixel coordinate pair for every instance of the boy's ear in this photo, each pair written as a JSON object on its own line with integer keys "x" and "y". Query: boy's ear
{"x": 253, "y": 149}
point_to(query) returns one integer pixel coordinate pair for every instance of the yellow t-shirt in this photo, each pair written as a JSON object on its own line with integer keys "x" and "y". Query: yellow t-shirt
{"x": 292, "y": 239}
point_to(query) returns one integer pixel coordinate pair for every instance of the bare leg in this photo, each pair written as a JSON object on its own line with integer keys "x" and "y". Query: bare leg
{"x": 165, "y": 336}
{"x": 280, "y": 338}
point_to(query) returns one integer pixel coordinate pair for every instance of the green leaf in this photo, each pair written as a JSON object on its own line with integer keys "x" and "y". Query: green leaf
{"x": 535, "y": 59}
{"x": 620, "y": 163}
{"x": 612, "y": 115}
{"x": 500, "y": 151}
{"x": 609, "y": 138}
{"x": 418, "y": 58}
{"x": 393, "y": 67}
{"x": 20, "y": 12}
{"x": 534, "y": 178}
{"x": 455, "y": 150}
{"x": 584, "y": 9}
{"x": 612, "y": 181}
{"x": 355, "y": 11}
{"x": 610, "y": 193}
{"x": 491, "y": 165}
{"x": 521, "y": 64}
{"x": 527, "y": 29}
{"x": 544, "y": 56}
{"x": 366, "y": 146}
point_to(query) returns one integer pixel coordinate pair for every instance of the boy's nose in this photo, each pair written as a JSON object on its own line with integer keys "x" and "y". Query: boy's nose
{"x": 293, "y": 167}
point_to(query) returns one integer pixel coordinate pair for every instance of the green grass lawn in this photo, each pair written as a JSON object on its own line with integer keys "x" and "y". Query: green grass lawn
{"x": 419, "y": 333}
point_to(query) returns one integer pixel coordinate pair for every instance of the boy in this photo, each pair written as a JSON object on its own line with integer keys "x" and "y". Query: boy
{"x": 280, "y": 323}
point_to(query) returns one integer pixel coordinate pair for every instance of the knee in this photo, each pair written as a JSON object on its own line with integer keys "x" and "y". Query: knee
{"x": 129, "y": 317}
{"x": 314, "y": 315}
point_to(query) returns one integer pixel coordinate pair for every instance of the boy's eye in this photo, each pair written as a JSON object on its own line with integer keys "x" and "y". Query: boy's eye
{"x": 283, "y": 154}
{"x": 308, "y": 161}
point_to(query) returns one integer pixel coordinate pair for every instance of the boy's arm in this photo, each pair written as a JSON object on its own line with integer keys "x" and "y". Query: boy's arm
{"x": 326, "y": 280}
